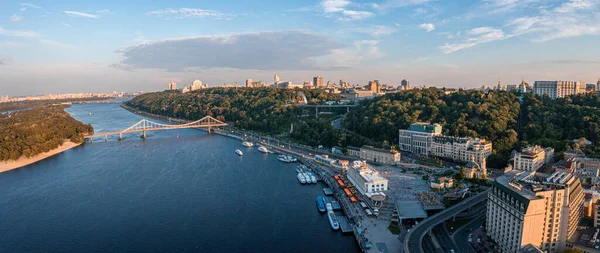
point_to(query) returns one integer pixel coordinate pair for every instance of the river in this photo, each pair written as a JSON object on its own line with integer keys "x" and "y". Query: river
{"x": 178, "y": 191}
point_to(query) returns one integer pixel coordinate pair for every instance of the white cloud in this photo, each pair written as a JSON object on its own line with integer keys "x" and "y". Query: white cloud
{"x": 575, "y": 5}
{"x": 15, "y": 18}
{"x": 390, "y": 4}
{"x": 475, "y": 37}
{"x": 378, "y": 30}
{"x": 501, "y": 6}
{"x": 190, "y": 13}
{"x": 80, "y": 14}
{"x": 103, "y": 12}
{"x": 427, "y": 27}
{"x": 54, "y": 43}
{"x": 65, "y": 24}
{"x": 340, "y": 7}
{"x": 25, "y": 6}
{"x": 15, "y": 33}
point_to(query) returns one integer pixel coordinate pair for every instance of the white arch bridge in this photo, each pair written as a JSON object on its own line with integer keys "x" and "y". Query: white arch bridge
{"x": 147, "y": 125}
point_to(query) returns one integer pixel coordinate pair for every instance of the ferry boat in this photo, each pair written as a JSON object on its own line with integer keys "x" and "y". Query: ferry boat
{"x": 247, "y": 144}
{"x": 301, "y": 178}
{"x": 320, "y": 204}
{"x": 333, "y": 220}
{"x": 239, "y": 152}
{"x": 263, "y": 149}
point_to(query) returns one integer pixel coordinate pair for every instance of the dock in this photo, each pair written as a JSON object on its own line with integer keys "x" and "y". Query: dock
{"x": 327, "y": 191}
{"x": 345, "y": 226}
{"x": 334, "y": 204}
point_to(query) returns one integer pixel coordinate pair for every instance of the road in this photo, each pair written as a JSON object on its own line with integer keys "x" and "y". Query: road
{"x": 412, "y": 242}
{"x": 461, "y": 236}
{"x": 443, "y": 238}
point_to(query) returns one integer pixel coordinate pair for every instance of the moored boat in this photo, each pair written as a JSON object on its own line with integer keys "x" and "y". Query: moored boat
{"x": 247, "y": 144}
{"x": 301, "y": 178}
{"x": 313, "y": 178}
{"x": 320, "y": 204}
{"x": 239, "y": 152}
{"x": 333, "y": 220}
{"x": 263, "y": 149}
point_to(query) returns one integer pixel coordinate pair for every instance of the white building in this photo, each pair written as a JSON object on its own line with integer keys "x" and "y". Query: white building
{"x": 172, "y": 86}
{"x": 558, "y": 89}
{"x": 531, "y": 208}
{"x": 366, "y": 179}
{"x": 461, "y": 149}
{"x": 418, "y": 137}
{"x": 196, "y": 85}
{"x": 532, "y": 158}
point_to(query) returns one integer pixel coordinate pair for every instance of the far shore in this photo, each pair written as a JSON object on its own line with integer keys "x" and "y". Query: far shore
{"x": 24, "y": 161}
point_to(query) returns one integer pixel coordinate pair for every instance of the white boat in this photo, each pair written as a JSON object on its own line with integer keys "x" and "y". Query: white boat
{"x": 329, "y": 207}
{"x": 301, "y": 178}
{"x": 263, "y": 149}
{"x": 333, "y": 220}
{"x": 283, "y": 158}
{"x": 239, "y": 152}
{"x": 247, "y": 144}
{"x": 313, "y": 178}
{"x": 307, "y": 176}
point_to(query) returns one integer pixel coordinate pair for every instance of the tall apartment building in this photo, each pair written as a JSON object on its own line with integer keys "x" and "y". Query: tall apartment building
{"x": 427, "y": 139}
{"x": 531, "y": 208}
{"x": 196, "y": 85}
{"x": 172, "y": 86}
{"x": 558, "y": 89}
{"x": 249, "y": 83}
{"x": 532, "y": 158}
{"x": 318, "y": 81}
{"x": 418, "y": 137}
{"x": 461, "y": 149}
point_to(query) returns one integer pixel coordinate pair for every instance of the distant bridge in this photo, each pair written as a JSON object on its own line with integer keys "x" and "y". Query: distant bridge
{"x": 147, "y": 125}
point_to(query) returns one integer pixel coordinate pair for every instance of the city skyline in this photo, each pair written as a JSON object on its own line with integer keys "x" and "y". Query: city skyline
{"x": 72, "y": 47}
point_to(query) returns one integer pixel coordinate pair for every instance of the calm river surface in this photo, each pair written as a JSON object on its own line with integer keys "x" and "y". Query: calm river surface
{"x": 178, "y": 191}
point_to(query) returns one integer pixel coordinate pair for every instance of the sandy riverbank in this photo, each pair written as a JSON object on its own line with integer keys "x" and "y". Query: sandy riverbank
{"x": 23, "y": 161}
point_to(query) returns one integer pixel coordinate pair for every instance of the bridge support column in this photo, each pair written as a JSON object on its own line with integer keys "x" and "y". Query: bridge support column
{"x": 144, "y": 135}
{"x": 106, "y": 138}
{"x": 317, "y": 112}
{"x": 120, "y": 136}
{"x": 347, "y": 109}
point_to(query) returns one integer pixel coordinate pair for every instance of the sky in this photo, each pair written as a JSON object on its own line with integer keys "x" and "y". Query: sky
{"x": 97, "y": 46}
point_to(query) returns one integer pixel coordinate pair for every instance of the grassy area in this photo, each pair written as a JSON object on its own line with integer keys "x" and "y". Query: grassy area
{"x": 393, "y": 227}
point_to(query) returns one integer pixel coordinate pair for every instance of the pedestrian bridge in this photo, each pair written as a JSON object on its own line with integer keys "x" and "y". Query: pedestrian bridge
{"x": 146, "y": 125}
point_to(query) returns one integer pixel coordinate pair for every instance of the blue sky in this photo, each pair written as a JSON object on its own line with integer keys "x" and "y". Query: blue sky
{"x": 76, "y": 46}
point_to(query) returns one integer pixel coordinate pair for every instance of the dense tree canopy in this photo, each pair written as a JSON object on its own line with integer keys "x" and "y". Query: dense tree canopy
{"x": 29, "y": 104}
{"x": 31, "y": 132}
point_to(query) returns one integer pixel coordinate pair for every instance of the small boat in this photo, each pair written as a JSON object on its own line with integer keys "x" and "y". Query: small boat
{"x": 313, "y": 178}
{"x": 329, "y": 207}
{"x": 263, "y": 149}
{"x": 239, "y": 152}
{"x": 283, "y": 158}
{"x": 89, "y": 113}
{"x": 333, "y": 220}
{"x": 301, "y": 178}
{"x": 298, "y": 170}
{"x": 320, "y": 204}
{"x": 247, "y": 144}
{"x": 307, "y": 177}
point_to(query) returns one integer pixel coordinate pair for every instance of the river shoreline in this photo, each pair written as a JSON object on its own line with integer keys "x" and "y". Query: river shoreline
{"x": 24, "y": 161}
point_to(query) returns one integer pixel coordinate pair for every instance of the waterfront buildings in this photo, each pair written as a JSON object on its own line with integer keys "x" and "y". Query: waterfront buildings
{"x": 558, "y": 89}
{"x": 532, "y": 208}
{"x": 418, "y": 138}
{"x": 372, "y": 154}
{"x": 172, "y": 86}
{"x": 427, "y": 139}
{"x": 318, "y": 82}
{"x": 366, "y": 179}
{"x": 532, "y": 158}
{"x": 353, "y": 151}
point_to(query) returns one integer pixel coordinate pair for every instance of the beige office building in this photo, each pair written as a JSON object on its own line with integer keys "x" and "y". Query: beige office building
{"x": 525, "y": 207}
{"x": 461, "y": 149}
{"x": 532, "y": 158}
{"x": 558, "y": 89}
{"x": 372, "y": 154}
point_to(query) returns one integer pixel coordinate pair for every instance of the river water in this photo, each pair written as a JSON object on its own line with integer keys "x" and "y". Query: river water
{"x": 178, "y": 191}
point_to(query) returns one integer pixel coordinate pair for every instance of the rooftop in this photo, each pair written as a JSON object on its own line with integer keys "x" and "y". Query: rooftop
{"x": 523, "y": 186}
{"x": 368, "y": 173}
{"x": 379, "y": 149}
{"x": 588, "y": 238}
{"x": 426, "y": 127}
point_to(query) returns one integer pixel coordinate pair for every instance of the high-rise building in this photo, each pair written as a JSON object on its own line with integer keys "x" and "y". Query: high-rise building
{"x": 533, "y": 208}
{"x": 196, "y": 85}
{"x": 598, "y": 85}
{"x": 172, "y": 86}
{"x": 276, "y": 79}
{"x": 248, "y": 83}
{"x": 558, "y": 89}
{"x": 318, "y": 81}
{"x": 405, "y": 84}
{"x": 374, "y": 86}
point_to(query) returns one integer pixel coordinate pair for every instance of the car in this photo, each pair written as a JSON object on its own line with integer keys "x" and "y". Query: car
{"x": 470, "y": 235}
{"x": 478, "y": 239}
{"x": 451, "y": 251}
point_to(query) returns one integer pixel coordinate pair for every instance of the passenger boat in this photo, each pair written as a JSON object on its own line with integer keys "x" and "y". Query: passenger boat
{"x": 320, "y": 204}
{"x": 239, "y": 152}
{"x": 301, "y": 178}
{"x": 283, "y": 158}
{"x": 247, "y": 144}
{"x": 263, "y": 149}
{"x": 333, "y": 220}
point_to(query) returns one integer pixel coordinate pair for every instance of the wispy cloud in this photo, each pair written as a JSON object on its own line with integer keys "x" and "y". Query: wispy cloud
{"x": 377, "y": 30}
{"x": 427, "y": 27}
{"x": 103, "y": 12}
{"x": 15, "y": 18}
{"x": 78, "y": 14}
{"x": 475, "y": 37}
{"x": 65, "y": 24}
{"x": 390, "y": 4}
{"x": 340, "y": 8}
{"x": 16, "y": 33}
{"x": 190, "y": 13}
{"x": 25, "y": 6}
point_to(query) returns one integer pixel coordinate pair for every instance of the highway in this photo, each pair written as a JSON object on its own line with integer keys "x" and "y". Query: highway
{"x": 412, "y": 241}
{"x": 461, "y": 236}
